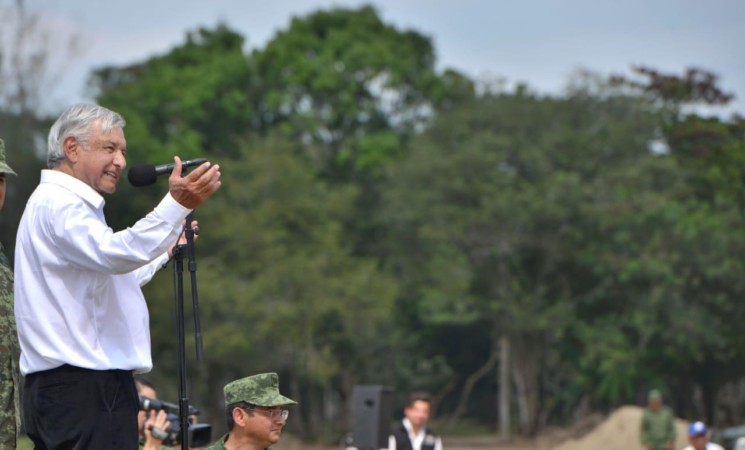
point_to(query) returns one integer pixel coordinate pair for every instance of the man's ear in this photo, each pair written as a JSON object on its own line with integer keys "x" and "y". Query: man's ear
{"x": 71, "y": 147}
{"x": 239, "y": 416}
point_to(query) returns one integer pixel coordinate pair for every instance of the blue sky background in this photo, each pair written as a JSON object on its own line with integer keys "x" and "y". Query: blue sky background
{"x": 541, "y": 42}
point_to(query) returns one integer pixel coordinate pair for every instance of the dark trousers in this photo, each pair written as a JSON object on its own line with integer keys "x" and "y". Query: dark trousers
{"x": 69, "y": 408}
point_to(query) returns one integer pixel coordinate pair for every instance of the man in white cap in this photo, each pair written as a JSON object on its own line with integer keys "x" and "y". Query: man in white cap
{"x": 698, "y": 439}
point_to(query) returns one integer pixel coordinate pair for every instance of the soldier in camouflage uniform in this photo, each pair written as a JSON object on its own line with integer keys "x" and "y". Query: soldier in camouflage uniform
{"x": 9, "y": 350}
{"x": 254, "y": 413}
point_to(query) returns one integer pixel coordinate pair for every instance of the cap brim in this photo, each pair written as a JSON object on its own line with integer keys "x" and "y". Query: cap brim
{"x": 4, "y": 168}
{"x": 278, "y": 401}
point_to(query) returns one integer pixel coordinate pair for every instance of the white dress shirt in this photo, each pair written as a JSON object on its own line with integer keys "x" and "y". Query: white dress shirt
{"x": 416, "y": 439}
{"x": 739, "y": 444}
{"x": 709, "y": 446}
{"x": 77, "y": 283}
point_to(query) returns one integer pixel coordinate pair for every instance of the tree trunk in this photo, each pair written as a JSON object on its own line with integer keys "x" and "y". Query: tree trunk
{"x": 504, "y": 388}
{"x": 470, "y": 383}
{"x": 526, "y": 368}
{"x": 437, "y": 398}
{"x": 521, "y": 397}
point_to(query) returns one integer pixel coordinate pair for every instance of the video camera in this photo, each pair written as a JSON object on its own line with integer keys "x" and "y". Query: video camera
{"x": 199, "y": 434}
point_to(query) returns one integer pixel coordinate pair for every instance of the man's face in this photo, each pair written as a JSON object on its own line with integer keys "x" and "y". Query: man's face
{"x": 101, "y": 161}
{"x": 698, "y": 442}
{"x": 144, "y": 391}
{"x": 262, "y": 429}
{"x": 655, "y": 404}
{"x": 417, "y": 413}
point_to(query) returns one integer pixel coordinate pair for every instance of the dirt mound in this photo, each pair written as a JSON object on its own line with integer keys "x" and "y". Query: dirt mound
{"x": 620, "y": 431}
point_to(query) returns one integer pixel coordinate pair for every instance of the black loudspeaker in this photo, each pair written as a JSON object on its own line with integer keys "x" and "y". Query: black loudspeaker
{"x": 372, "y": 412}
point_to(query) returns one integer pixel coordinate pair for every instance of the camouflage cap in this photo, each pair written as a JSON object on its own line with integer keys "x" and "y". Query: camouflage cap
{"x": 654, "y": 394}
{"x": 259, "y": 390}
{"x": 4, "y": 167}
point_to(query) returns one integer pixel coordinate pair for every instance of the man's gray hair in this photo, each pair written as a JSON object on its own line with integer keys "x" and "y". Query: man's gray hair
{"x": 76, "y": 121}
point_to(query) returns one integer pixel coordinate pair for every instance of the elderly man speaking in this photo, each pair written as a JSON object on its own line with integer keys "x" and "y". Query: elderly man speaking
{"x": 82, "y": 320}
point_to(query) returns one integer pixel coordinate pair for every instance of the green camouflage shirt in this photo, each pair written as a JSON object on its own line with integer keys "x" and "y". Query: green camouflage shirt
{"x": 8, "y": 335}
{"x": 657, "y": 428}
{"x": 220, "y": 445}
{"x": 9, "y": 354}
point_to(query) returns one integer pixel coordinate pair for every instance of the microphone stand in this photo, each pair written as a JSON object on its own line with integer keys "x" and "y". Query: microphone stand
{"x": 179, "y": 251}
{"x": 142, "y": 175}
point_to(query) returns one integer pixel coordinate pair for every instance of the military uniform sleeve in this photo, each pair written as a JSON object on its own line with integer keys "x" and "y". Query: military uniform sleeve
{"x": 671, "y": 432}
{"x": 644, "y": 429}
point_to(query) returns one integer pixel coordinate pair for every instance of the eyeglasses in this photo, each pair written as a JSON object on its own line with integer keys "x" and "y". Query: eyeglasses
{"x": 273, "y": 414}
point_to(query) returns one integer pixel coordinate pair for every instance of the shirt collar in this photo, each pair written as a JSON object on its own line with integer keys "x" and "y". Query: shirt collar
{"x": 73, "y": 185}
{"x": 409, "y": 428}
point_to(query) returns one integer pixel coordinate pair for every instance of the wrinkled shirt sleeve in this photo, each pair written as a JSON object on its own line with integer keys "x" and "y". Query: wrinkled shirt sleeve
{"x": 86, "y": 241}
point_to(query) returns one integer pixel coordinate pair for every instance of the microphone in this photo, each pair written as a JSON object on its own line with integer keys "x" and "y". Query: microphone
{"x": 147, "y": 174}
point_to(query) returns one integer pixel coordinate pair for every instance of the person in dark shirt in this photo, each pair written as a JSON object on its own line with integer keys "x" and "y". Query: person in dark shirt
{"x": 413, "y": 432}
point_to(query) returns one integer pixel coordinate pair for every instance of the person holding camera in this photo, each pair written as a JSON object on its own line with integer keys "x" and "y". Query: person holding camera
{"x": 152, "y": 424}
{"x": 255, "y": 413}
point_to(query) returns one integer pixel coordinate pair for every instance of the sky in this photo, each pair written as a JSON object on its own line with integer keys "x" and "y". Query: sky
{"x": 539, "y": 42}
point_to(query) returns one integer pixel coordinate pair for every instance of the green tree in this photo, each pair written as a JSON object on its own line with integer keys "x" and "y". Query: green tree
{"x": 699, "y": 250}
{"x": 198, "y": 98}
{"x": 495, "y": 236}
{"x": 351, "y": 87}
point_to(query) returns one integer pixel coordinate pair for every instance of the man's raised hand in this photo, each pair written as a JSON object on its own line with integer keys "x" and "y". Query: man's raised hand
{"x": 196, "y": 187}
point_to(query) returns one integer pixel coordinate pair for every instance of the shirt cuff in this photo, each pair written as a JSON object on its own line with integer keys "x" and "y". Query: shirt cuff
{"x": 162, "y": 261}
{"x": 171, "y": 210}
